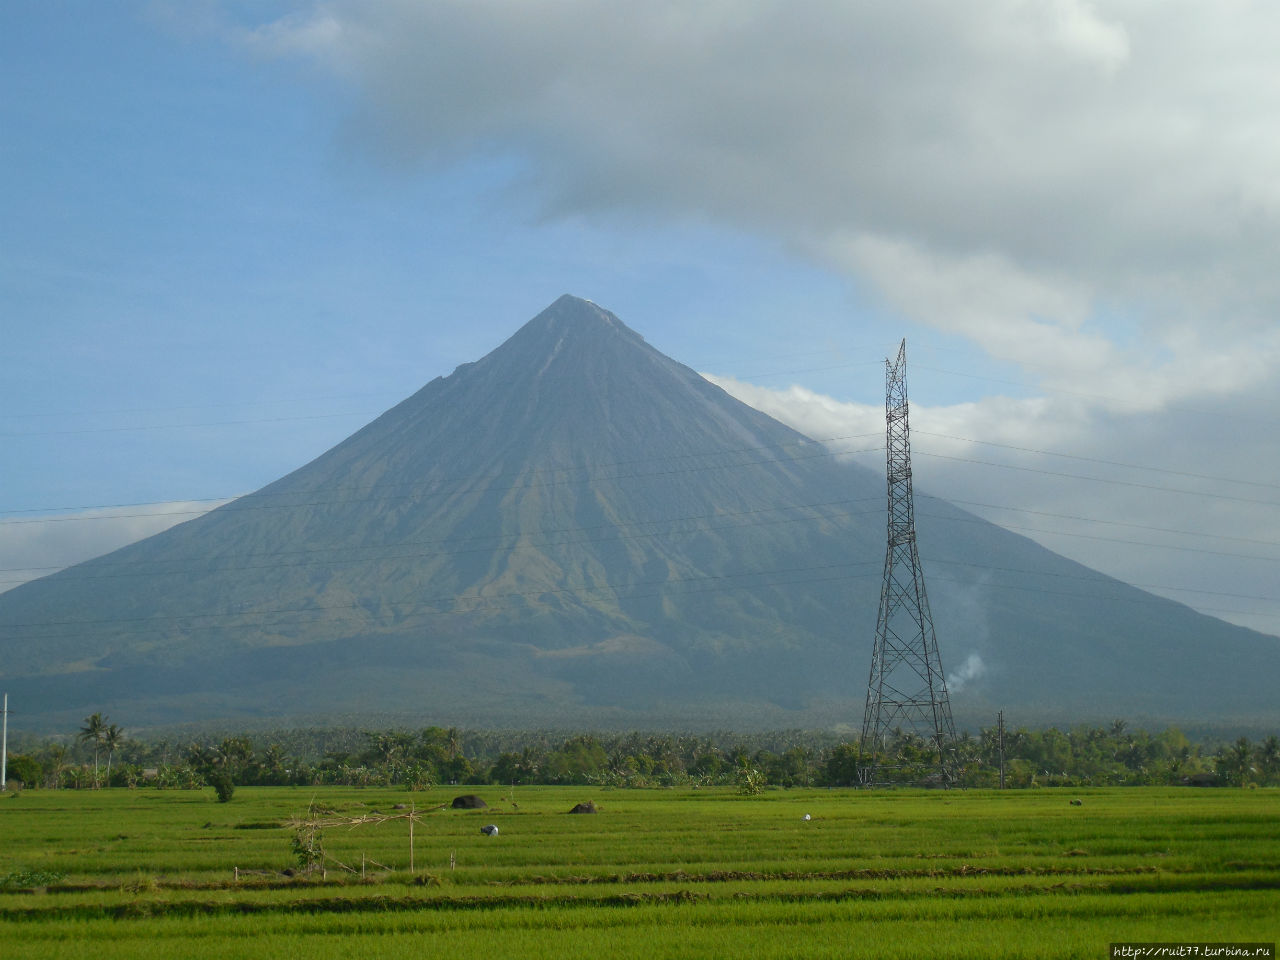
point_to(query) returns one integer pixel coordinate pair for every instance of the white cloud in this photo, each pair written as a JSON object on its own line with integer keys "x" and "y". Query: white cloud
{"x": 1030, "y": 174}
{"x": 317, "y": 34}
{"x": 1203, "y": 529}
{"x": 44, "y": 544}
{"x": 1085, "y": 190}
{"x": 842, "y": 425}
{"x": 1046, "y": 324}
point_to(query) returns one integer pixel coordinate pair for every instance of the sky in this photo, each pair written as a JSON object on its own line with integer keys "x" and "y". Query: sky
{"x": 231, "y": 233}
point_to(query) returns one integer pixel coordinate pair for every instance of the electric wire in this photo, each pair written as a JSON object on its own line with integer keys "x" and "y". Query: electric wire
{"x": 1029, "y": 529}
{"x": 610, "y": 591}
{"x": 1099, "y": 460}
{"x": 490, "y": 543}
{"x": 464, "y": 479}
{"x": 1089, "y": 536}
{"x": 1076, "y": 518}
{"x": 1149, "y": 601}
{"x": 183, "y": 426}
{"x": 1055, "y": 575}
{"x": 623, "y": 476}
{"x": 1099, "y": 578}
{"x": 779, "y": 459}
{"x": 1105, "y": 480}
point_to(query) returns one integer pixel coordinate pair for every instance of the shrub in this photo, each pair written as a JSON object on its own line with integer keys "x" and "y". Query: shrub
{"x": 222, "y": 786}
{"x": 751, "y": 782}
{"x": 26, "y": 769}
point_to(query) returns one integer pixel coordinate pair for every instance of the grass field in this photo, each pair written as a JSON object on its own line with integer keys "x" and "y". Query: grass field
{"x": 656, "y": 873}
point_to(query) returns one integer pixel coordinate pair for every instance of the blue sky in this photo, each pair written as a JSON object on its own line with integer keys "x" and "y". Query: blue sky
{"x": 230, "y": 234}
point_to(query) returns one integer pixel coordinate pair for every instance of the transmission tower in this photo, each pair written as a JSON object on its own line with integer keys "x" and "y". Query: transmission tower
{"x": 907, "y": 692}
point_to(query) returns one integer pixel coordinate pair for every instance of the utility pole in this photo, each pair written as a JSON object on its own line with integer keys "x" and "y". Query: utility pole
{"x": 907, "y": 690}
{"x": 1000, "y": 730}
{"x": 4, "y": 748}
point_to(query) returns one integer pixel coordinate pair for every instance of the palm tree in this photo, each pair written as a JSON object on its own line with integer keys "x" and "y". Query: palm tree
{"x": 454, "y": 741}
{"x": 57, "y": 763}
{"x": 272, "y": 764}
{"x": 1234, "y": 764}
{"x": 112, "y": 737}
{"x": 202, "y": 758}
{"x": 92, "y": 732}
{"x": 1269, "y": 757}
{"x": 234, "y": 754}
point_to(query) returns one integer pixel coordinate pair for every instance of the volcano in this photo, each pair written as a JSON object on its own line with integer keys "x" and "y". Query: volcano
{"x": 578, "y": 531}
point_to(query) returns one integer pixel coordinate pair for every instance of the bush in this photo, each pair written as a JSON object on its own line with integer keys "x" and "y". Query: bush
{"x": 30, "y": 879}
{"x": 751, "y": 782}
{"x": 223, "y": 786}
{"x": 26, "y": 769}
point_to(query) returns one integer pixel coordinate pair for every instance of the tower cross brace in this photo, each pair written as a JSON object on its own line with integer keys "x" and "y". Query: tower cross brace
{"x": 907, "y": 691}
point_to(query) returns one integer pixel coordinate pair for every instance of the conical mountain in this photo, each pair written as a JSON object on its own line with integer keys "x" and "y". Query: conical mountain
{"x": 578, "y": 530}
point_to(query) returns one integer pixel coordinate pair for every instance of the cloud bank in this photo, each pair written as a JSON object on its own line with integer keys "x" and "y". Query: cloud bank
{"x": 1197, "y": 530}
{"x": 1085, "y": 191}
{"x": 1086, "y": 188}
{"x": 46, "y": 544}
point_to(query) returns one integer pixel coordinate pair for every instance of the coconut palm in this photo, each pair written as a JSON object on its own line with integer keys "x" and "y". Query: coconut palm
{"x": 1235, "y": 762}
{"x": 57, "y": 762}
{"x": 1269, "y": 757}
{"x": 112, "y": 737}
{"x": 272, "y": 765}
{"x": 95, "y": 726}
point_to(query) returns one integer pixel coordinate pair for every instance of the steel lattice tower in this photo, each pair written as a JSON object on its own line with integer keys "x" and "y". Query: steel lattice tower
{"x": 907, "y": 691}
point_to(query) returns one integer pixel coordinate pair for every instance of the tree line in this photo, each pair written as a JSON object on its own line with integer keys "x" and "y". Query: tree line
{"x": 102, "y": 755}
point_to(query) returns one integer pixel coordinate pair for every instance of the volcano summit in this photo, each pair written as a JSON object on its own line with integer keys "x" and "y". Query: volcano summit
{"x": 577, "y": 530}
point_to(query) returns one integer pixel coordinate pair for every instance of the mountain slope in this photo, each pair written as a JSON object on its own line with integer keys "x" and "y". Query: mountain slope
{"x": 578, "y": 529}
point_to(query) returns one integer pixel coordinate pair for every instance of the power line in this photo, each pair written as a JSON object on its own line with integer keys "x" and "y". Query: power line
{"x": 1101, "y": 579}
{"x": 437, "y": 487}
{"x": 583, "y": 595}
{"x": 493, "y": 542}
{"x": 1088, "y": 536}
{"x": 1104, "y": 480}
{"x": 1117, "y": 523}
{"x": 1109, "y": 463}
{"x": 183, "y": 426}
{"x": 719, "y": 466}
{"x": 1058, "y": 391}
{"x": 122, "y": 506}
{"x": 275, "y": 554}
{"x": 461, "y": 481}
{"x": 1138, "y": 599}
{"x": 722, "y": 452}
{"x": 477, "y": 600}
{"x": 97, "y": 412}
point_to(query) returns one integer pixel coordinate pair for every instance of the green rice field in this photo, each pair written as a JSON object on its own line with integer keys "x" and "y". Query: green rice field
{"x": 655, "y": 873}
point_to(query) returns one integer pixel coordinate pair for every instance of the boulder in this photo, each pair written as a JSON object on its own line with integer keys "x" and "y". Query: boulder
{"x": 469, "y": 802}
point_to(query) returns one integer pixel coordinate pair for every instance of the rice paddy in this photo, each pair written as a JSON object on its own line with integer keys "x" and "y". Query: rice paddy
{"x": 671, "y": 873}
